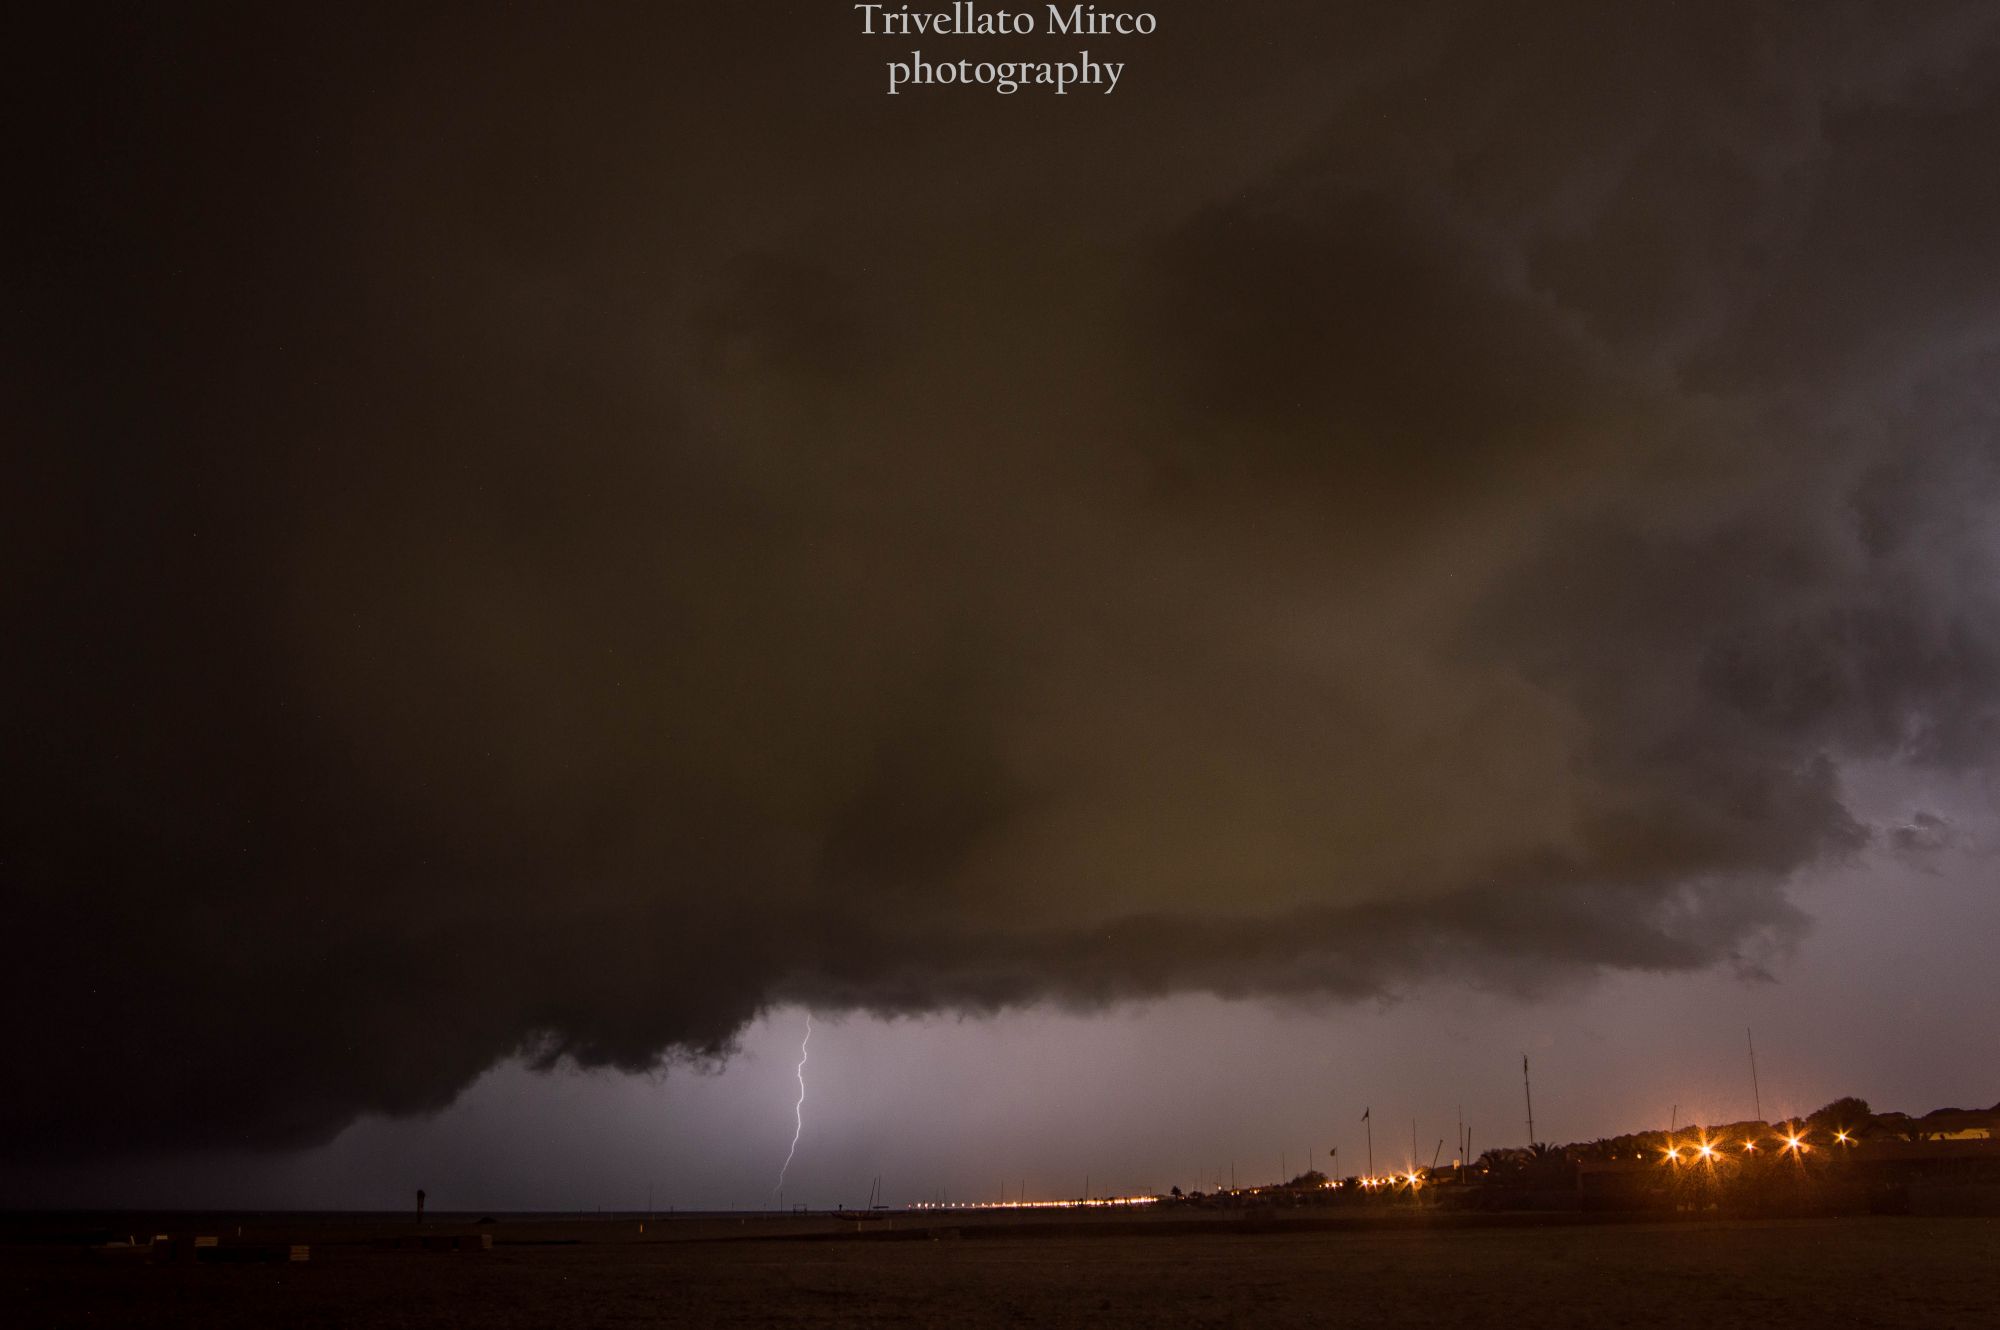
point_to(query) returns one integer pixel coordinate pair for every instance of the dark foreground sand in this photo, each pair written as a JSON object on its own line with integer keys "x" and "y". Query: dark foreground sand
{"x": 1903, "y": 1272}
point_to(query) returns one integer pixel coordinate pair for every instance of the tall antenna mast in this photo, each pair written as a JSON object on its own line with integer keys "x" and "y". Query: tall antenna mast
{"x": 1756, "y": 1095}
{"x": 1529, "y": 1092}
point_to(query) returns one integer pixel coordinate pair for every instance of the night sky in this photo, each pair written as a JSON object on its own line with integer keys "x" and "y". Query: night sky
{"x": 542, "y": 544}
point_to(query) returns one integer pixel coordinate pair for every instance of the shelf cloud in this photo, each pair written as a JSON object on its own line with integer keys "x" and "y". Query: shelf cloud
{"x": 496, "y": 578}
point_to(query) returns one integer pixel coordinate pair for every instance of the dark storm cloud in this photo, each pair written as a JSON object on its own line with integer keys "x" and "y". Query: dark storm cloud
{"x": 1925, "y": 834}
{"x": 531, "y": 550}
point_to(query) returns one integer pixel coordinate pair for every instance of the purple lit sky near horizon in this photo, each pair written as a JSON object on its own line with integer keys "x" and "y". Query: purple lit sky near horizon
{"x": 550, "y": 546}
{"x": 1146, "y": 1097}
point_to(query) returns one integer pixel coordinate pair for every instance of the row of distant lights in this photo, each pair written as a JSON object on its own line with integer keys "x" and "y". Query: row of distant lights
{"x": 1794, "y": 1144}
{"x": 1704, "y": 1150}
{"x": 1093, "y": 1203}
{"x": 1387, "y": 1180}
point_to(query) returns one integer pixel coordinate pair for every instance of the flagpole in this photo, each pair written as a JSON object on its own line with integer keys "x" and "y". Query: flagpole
{"x": 1368, "y": 1120}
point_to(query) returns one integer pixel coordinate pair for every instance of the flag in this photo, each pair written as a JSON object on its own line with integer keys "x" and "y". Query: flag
{"x": 1365, "y": 1112}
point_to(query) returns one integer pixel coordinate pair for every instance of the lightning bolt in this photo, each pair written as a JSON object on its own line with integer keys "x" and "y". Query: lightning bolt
{"x": 799, "y": 1109}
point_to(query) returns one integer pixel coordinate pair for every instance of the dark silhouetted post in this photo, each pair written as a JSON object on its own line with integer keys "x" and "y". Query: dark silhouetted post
{"x": 1528, "y": 1091}
{"x": 1756, "y": 1095}
{"x": 420, "y": 1205}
